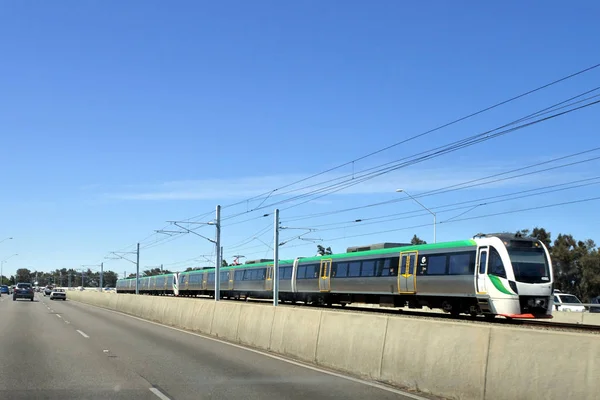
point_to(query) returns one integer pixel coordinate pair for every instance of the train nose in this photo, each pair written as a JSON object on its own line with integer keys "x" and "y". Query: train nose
{"x": 541, "y": 303}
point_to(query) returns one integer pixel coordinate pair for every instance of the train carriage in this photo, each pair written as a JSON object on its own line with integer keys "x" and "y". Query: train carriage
{"x": 495, "y": 274}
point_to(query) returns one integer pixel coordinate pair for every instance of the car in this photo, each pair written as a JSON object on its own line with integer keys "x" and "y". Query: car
{"x": 567, "y": 302}
{"x": 595, "y": 308}
{"x": 58, "y": 294}
{"x": 47, "y": 291}
{"x": 23, "y": 291}
{"x": 4, "y": 289}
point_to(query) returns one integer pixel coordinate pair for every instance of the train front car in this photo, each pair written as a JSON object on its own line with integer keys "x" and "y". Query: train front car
{"x": 513, "y": 276}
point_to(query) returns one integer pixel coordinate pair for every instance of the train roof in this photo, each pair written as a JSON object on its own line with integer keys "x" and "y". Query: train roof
{"x": 151, "y": 276}
{"x": 394, "y": 250}
{"x": 355, "y": 254}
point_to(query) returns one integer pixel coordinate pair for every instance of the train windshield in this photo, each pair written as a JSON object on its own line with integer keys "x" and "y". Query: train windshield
{"x": 530, "y": 265}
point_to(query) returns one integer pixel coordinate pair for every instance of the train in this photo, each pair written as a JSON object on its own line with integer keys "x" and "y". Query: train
{"x": 490, "y": 274}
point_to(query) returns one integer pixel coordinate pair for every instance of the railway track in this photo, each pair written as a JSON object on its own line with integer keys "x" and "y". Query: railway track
{"x": 434, "y": 315}
{"x": 527, "y": 323}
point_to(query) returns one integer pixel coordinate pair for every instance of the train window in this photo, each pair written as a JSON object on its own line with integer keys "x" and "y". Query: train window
{"x": 341, "y": 269}
{"x": 495, "y": 266}
{"x": 387, "y": 266}
{"x": 482, "y": 261}
{"x": 262, "y": 274}
{"x": 461, "y": 264}
{"x": 368, "y": 268}
{"x": 354, "y": 268}
{"x": 312, "y": 271}
{"x": 239, "y": 275}
{"x": 285, "y": 273}
{"x": 211, "y": 277}
{"x": 301, "y": 274}
{"x": 436, "y": 265}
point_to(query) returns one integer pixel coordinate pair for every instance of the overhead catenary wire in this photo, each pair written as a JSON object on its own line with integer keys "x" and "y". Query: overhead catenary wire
{"x": 445, "y": 125}
{"x": 469, "y": 205}
{"x": 269, "y": 193}
{"x": 566, "y": 203}
{"x": 412, "y": 160}
{"x": 468, "y": 184}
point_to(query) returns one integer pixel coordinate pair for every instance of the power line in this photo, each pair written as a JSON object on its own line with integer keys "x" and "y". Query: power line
{"x": 469, "y": 184}
{"x": 421, "y": 134}
{"x": 378, "y": 173}
{"x": 417, "y": 158}
{"x": 469, "y": 204}
{"x": 461, "y": 206}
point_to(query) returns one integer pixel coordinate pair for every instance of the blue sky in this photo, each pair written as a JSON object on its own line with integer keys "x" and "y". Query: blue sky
{"x": 118, "y": 116}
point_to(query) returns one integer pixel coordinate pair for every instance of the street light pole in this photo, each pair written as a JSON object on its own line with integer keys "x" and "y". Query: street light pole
{"x": 419, "y": 203}
{"x": 2, "y": 266}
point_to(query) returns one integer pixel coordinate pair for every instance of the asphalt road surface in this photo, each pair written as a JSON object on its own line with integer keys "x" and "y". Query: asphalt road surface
{"x": 68, "y": 350}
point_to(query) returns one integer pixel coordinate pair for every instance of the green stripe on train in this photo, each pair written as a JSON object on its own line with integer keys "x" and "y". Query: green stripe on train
{"x": 499, "y": 285}
{"x": 388, "y": 251}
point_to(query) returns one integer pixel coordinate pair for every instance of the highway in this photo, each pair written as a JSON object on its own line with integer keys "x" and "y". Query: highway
{"x": 68, "y": 350}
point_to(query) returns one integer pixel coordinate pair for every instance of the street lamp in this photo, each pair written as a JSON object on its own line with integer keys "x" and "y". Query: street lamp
{"x": 8, "y": 238}
{"x": 2, "y": 267}
{"x": 419, "y": 203}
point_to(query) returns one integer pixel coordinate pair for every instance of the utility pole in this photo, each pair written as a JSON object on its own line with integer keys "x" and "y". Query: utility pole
{"x": 276, "y": 260}
{"x": 216, "y": 242}
{"x": 101, "y": 275}
{"x": 218, "y": 247}
{"x": 82, "y": 277}
{"x": 69, "y": 280}
{"x": 137, "y": 271}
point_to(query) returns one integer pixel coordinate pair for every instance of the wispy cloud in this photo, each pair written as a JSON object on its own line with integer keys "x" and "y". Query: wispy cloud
{"x": 236, "y": 188}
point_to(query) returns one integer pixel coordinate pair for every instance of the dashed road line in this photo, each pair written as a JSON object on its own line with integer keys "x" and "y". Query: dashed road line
{"x": 159, "y": 394}
{"x": 273, "y": 356}
{"x": 83, "y": 334}
{"x": 58, "y": 315}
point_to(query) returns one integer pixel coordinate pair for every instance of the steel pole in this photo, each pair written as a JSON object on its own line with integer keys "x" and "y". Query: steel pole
{"x": 137, "y": 271}
{"x": 218, "y": 249}
{"x": 276, "y": 260}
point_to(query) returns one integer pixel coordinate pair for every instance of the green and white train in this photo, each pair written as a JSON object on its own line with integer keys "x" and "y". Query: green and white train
{"x": 490, "y": 274}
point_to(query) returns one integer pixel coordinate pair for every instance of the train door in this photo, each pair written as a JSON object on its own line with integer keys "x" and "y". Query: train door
{"x": 269, "y": 278}
{"x": 231, "y": 276}
{"x": 407, "y": 278}
{"x": 204, "y": 280}
{"x": 482, "y": 260}
{"x": 325, "y": 275}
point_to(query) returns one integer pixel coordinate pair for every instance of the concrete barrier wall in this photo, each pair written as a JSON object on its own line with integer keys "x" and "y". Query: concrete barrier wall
{"x": 449, "y": 359}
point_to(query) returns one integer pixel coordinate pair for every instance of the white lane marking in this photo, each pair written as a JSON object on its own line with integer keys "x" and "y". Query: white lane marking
{"x": 159, "y": 394}
{"x": 67, "y": 322}
{"x": 58, "y": 315}
{"x": 298, "y": 364}
{"x": 83, "y": 334}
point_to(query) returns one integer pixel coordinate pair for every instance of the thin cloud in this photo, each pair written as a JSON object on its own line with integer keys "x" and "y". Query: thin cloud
{"x": 413, "y": 181}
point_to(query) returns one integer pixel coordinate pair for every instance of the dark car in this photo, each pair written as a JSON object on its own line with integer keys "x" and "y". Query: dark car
{"x": 48, "y": 290}
{"x": 23, "y": 291}
{"x": 596, "y": 307}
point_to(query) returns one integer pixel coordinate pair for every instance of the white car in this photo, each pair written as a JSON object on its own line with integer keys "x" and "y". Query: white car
{"x": 58, "y": 294}
{"x": 567, "y": 302}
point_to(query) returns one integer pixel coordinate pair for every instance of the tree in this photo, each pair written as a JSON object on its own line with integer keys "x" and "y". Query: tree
{"x": 417, "y": 240}
{"x": 23, "y": 275}
{"x": 576, "y": 263}
{"x": 155, "y": 271}
{"x": 224, "y": 263}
